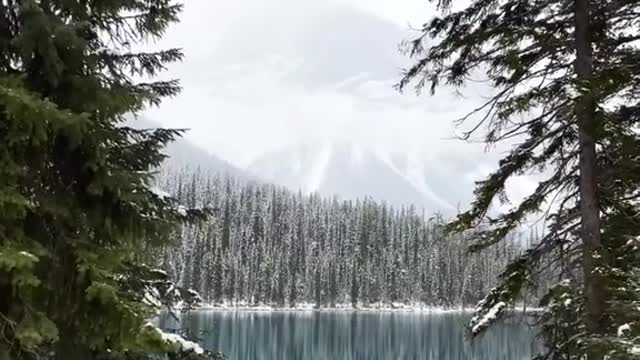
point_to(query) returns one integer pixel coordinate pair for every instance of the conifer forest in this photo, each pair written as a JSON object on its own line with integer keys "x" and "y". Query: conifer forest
{"x": 266, "y": 245}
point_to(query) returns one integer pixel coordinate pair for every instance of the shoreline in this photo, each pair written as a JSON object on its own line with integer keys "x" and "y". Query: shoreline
{"x": 348, "y": 308}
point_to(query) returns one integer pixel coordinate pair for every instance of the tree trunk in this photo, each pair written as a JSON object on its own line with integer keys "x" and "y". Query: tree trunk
{"x": 5, "y": 309}
{"x": 594, "y": 284}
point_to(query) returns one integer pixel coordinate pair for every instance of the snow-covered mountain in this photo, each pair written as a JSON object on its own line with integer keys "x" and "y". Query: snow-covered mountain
{"x": 351, "y": 171}
{"x": 183, "y": 153}
{"x": 343, "y": 169}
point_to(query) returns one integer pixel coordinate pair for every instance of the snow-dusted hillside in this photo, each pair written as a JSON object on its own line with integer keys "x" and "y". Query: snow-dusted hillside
{"x": 352, "y": 171}
{"x": 183, "y": 153}
{"x": 343, "y": 169}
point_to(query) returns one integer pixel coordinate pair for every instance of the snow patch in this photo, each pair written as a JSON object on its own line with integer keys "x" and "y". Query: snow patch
{"x": 346, "y": 307}
{"x": 490, "y": 316}
{"x": 319, "y": 169}
{"x": 151, "y": 297}
{"x": 159, "y": 192}
{"x": 159, "y": 272}
{"x": 183, "y": 344}
{"x": 416, "y": 175}
{"x": 623, "y": 328}
{"x": 108, "y": 51}
{"x": 29, "y": 255}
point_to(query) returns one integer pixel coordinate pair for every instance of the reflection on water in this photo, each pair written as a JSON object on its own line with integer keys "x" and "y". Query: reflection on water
{"x": 354, "y": 336}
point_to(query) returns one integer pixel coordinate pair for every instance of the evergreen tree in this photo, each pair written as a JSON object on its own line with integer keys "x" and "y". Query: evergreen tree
{"x": 78, "y": 212}
{"x": 317, "y": 287}
{"x": 307, "y": 249}
{"x": 226, "y": 226}
{"x": 281, "y": 266}
{"x": 565, "y": 79}
{"x": 218, "y": 275}
{"x": 355, "y": 286}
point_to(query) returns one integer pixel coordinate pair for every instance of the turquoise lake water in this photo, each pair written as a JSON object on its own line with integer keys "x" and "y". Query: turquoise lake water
{"x": 354, "y": 336}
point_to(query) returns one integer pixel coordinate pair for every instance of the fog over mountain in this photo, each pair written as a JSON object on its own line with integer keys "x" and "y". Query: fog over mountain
{"x": 333, "y": 168}
{"x": 183, "y": 153}
{"x": 439, "y": 182}
{"x": 273, "y": 75}
{"x": 352, "y": 171}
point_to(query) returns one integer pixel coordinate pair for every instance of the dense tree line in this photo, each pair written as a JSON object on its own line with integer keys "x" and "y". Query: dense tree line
{"x": 268, "y": 245}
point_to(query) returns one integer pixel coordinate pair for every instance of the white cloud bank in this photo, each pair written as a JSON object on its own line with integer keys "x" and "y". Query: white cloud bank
{"x": 262, "y": 75}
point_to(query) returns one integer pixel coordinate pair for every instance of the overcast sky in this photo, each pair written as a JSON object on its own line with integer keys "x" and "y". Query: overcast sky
{"x": 262, "y": 75}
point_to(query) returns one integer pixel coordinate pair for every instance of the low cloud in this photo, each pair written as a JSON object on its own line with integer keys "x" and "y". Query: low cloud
{"x": 262, "y": 76}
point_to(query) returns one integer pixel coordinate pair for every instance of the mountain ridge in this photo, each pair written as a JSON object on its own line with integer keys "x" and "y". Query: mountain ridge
{"x": 350, "y": 171}
{"x": 184, "y": 154}
{"x": 333, "y": 168}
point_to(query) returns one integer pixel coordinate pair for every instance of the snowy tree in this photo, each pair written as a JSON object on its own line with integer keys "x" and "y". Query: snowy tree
{"x": 564, "y": 87}
{"x": 285, "y": 248}
{"x": 78, "y": 209}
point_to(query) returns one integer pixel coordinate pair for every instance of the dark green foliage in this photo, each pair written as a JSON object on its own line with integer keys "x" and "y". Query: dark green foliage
{"x": 560, "y": 320}
{"x": 192, "y": 356}
{"x": 77, "y": 212}
{"x": 563, "y": 82}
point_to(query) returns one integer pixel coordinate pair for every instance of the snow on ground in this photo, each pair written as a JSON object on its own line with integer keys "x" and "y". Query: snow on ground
{"x": 376, "y": 307}
{"x": 394, "y": 307}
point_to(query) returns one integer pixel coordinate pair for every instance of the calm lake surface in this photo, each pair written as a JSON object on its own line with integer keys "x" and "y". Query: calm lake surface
{"x": 353, "y": 336}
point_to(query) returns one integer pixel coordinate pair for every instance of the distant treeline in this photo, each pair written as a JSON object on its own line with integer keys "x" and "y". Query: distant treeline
{"x": 267, "y": 245}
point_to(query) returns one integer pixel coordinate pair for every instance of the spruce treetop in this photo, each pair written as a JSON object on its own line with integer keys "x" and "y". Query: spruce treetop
{"x": 78, "y": 210}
